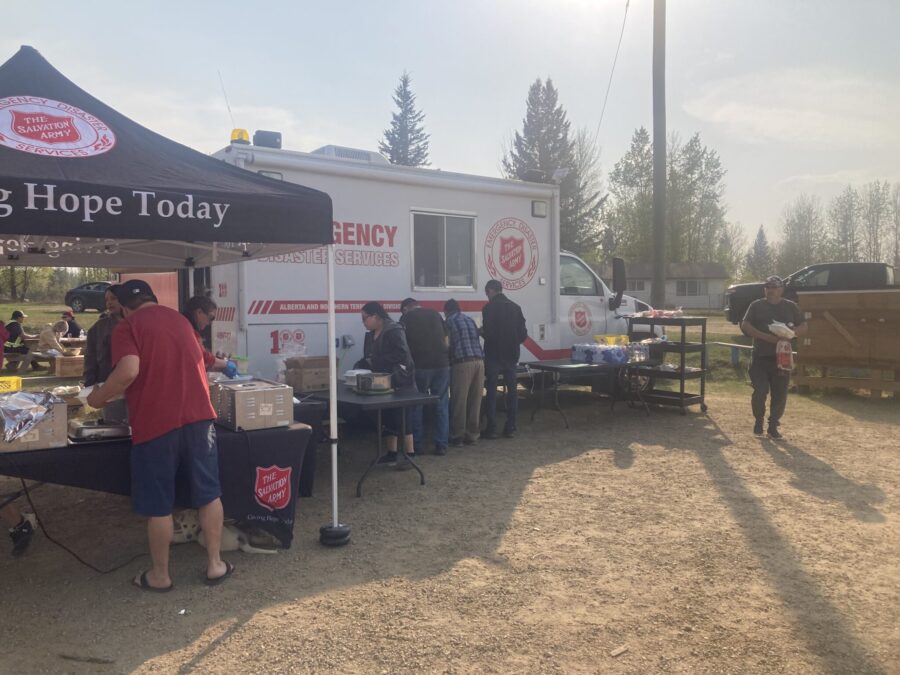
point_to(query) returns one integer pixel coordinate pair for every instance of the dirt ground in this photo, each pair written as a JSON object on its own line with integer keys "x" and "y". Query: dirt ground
{"x": 626, "y": 544}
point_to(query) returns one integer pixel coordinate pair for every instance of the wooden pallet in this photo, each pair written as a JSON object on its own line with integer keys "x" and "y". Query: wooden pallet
{"x": 875, "y": 382}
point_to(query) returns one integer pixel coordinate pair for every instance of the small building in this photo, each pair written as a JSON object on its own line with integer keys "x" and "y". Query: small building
{"x": 688, "y": 285}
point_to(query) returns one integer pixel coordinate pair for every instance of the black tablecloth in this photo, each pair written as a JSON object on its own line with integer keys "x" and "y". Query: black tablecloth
{"x": 310, "y": 412}
{"x": 259, "y": 472}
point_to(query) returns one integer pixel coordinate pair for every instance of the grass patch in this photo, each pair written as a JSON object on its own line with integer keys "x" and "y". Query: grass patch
{"x": 39, "y": 315}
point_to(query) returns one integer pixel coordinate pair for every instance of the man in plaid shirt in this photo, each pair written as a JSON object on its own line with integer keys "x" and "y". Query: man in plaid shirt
{"x": 466, "y": 376}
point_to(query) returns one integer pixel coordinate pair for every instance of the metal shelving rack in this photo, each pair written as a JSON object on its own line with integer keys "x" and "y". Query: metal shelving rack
{"x": 681, "y": 398}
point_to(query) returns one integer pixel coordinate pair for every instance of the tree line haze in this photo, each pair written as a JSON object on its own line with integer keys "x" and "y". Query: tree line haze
{"x": 600, "y": 219}
{"x": 605, "y": 216}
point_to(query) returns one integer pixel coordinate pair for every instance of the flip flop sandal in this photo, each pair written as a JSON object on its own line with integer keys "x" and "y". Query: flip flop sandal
{"x": 229, "y": 568}
{"x": 144, "y": 585}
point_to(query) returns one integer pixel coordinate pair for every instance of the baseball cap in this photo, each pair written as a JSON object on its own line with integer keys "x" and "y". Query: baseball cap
{"x": 19, "y": 314}
{"x": 132, "y": 288}
{"x": 774, "y": 282}
{"x": 408, "y": 302}
{"x": 68, "y": 314}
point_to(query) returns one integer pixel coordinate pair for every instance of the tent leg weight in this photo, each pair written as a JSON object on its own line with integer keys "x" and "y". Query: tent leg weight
{"x": 334, "y": 535}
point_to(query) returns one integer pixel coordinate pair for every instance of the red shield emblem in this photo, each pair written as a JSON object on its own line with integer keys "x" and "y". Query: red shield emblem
{"x": 581, "y": 319}
{"x": 42, "y": 127}
{"x": 512, "y": 253}
{"x": 273, "y": 487}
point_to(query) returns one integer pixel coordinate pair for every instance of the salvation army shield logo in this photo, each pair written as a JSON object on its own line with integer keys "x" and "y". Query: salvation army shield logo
{"x": 46, "y": 128}
{"x": 42, "y": 126}
{"x": 273, "y": 487}
{"x": 580, "y": 319}
{"x": 511, "y": 253}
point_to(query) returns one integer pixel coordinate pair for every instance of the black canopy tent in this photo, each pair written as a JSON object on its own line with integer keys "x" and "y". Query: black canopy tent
{"x": 81, "y": 185}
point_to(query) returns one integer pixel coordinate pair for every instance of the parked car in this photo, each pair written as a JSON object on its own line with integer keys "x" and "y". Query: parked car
{"x": 88, "y": 296}
{"x": 820, "y": 277}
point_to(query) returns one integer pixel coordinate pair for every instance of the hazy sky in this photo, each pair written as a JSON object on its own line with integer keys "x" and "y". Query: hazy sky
{"x": 795, "y": 95}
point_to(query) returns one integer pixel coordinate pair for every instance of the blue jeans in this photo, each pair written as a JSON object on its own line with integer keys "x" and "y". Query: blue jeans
{"x": 435, "y": 381}
{"x": 492, "y": 372}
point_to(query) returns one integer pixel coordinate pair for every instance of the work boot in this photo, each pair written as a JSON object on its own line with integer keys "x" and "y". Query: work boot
{"x": 21, "y": 536}
{"x": 758, "y": 428}
{"x": 773, "y": 433}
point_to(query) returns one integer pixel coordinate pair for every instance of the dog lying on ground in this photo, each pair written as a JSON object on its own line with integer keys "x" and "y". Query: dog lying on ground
{"x": 187, "y": 529}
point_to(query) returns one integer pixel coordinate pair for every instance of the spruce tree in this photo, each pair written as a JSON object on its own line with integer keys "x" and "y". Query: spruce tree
{"x": 544, "y": 152}
{"x": 405, "y": 142}
{"x": 759, "y": 262}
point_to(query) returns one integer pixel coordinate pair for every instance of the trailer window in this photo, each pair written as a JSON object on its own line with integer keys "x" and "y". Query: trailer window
{"x": 442, "y": 251}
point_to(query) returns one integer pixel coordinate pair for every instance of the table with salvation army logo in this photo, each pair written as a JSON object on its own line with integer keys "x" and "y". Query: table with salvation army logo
{"x": 259, "y": 473}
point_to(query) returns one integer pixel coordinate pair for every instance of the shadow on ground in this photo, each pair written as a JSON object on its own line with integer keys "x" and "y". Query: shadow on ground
{"x": 399, "y": 531}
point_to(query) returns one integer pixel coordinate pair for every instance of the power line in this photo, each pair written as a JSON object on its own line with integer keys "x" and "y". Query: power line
{"x": 612, "y": 71}
{"x": 225, "y": 95}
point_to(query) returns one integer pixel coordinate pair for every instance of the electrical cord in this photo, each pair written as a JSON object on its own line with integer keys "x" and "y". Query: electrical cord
{"x": 66, "y": 548}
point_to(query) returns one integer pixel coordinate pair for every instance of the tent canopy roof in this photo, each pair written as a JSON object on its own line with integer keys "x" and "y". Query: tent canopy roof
{"x": 83, "y": 185}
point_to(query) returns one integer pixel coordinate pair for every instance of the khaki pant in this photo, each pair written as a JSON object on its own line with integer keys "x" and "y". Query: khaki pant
{"x": 466, "y": 391}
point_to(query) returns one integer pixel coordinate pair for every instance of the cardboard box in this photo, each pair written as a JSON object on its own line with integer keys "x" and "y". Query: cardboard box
{"x": 50, "y": 432}
{"x": 315, "y": 379}
{"x": 306, "y": 373}
{"x": 257, "y": 404}
{"x": 306, "y": 362}
{"x": 68, "y": 366}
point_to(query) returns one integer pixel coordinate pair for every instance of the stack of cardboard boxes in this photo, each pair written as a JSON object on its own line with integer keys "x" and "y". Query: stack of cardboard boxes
{"x": 306, "y": 373}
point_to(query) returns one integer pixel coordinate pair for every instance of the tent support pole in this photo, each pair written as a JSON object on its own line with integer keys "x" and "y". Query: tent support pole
{"x": 335, "y": 534}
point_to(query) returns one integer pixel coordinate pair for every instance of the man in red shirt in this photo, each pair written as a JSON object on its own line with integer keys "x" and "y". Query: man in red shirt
{"x": 159, "y": 368}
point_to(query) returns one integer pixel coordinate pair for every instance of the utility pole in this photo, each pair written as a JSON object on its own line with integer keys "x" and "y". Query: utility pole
{"x": 658, "y": 289}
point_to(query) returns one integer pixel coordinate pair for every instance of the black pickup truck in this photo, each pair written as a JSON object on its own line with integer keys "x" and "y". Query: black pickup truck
{"x": 820, "y": 277}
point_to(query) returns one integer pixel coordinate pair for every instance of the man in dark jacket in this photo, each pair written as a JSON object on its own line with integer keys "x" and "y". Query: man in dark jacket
{"x": 427, "y": 338}
{"x": 503, "y": 329}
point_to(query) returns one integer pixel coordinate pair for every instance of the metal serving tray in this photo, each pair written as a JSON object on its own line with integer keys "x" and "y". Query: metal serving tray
{"x": 97, "y": 430}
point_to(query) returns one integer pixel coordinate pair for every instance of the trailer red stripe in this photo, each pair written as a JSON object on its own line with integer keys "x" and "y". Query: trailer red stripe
{"x": 347, "y": 306}
{"x": 542, "y": 354}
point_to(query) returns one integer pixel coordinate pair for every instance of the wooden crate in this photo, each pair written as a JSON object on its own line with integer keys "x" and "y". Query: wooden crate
{"x": 874, "y": 380}
{"x": 851, "y": 329}
{"x": 68, "y": 366}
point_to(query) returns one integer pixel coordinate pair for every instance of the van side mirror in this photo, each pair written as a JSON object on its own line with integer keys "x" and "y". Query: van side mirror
{"x": 619, "y": 282}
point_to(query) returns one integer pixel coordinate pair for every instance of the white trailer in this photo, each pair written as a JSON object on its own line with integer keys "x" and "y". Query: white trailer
{"x": 399, "y": 232}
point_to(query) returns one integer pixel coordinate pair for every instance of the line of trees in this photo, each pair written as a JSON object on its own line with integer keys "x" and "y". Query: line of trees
{"x": 599, "y": 221}
{"x": 46, "y": 284}
{"x": 858, "y": 225}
